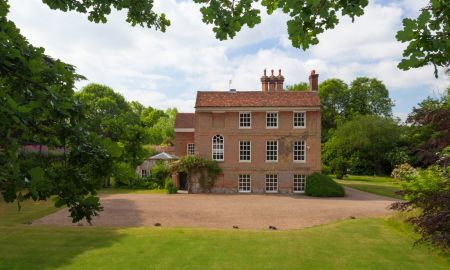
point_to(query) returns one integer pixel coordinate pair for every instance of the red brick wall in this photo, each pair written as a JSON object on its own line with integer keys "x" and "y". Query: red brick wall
{"x": 180, "y": 142}
{"x": 206, "y": 127}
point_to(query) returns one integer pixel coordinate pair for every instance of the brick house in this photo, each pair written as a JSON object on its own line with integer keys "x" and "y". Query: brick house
{"x": 265, "y": 141}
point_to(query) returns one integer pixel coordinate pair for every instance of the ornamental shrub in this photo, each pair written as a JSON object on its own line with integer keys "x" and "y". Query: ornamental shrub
{"x": 319, "y": 185}
{"x": 404, "y": 171}
{"x": 170, "y": 187}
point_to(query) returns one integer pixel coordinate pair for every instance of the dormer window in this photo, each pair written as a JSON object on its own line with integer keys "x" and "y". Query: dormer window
{"x": 272, "y": 120}
{"x": 245, "y": 120}
{"x": 299, "y": 119}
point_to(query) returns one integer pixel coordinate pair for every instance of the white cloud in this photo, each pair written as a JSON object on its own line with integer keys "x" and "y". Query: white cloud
{"x": 166, "y": 69}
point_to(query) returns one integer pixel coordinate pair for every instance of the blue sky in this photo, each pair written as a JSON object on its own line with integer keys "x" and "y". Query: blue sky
{"x": 166, "y": 69}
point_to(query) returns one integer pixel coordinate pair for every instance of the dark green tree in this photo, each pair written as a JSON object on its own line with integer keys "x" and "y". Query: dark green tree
{"x": 369, "y": 96}
{"x": 364, "y": 142}
{"x": 36, "y": 93}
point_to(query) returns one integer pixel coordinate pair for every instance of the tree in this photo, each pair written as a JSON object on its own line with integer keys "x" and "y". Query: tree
{"x": 427, "y": 35}
{"x": 430, "y": 129}
{"x": 364, "y": 143}
{"x": 334, "y": 100}
{"x": 36, "y": 93}
{"x": 301, "y": 86}
{"x": 369, "y": 96}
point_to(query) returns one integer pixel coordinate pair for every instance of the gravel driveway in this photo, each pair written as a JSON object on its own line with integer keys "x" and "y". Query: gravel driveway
{"x": 226, "y": 211}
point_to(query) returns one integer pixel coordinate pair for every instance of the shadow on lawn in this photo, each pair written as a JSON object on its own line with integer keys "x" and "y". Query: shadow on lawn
{"x": 54, "y": 247}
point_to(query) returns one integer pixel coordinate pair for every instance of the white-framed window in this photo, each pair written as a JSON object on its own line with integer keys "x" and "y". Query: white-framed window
{"x": 271, "y": 119}
{"x": 245, "y": 120}
{"x": 271, "y": 151}
{"x": 245, "y": 151}
{"x": 299, "y": 151}
{"x": 245, "y": 183}
{"x": 217, "y": 148}
{"x": 271, "y": 183}
{"x": 299, "y": 183}
{"x": 144, "y": 173}
{"x": 299, "y": 119}
{"x": 190, "y": 149}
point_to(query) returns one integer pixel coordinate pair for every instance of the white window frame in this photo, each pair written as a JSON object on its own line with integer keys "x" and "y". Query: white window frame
{"x": 304, "y": 119}
{"x": 267, "y": 151}
{"x": 217, "y": 151}
{"x": 271, "y": 182}
{"x": 244, "y": 182}
{"x": 250, "y": 120}
{"x": 299, "y": 182}
{"x": 144, "y": 174}
{"x": 296, "y": 152}
{"x": 267, "y": 122}
{"x": 190, "y": 151}
{"x": 249, "y": 151}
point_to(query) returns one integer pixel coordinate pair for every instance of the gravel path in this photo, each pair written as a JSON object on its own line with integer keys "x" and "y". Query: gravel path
{"x": 226, "y": 211}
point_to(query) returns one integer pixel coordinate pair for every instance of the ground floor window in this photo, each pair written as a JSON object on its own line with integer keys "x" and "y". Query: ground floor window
{"x": 190, "y": 149}
{"x": 144, "y": 173}
{"x": 271, "y": 183}
{"x": 244, "y": 183}
{"x": 299, "y": 183}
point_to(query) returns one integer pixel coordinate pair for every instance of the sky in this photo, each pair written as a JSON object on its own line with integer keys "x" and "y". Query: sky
{"x": 165, "y": 70}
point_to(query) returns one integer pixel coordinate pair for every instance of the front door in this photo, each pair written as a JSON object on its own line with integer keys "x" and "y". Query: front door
{"x": 183, "y": 181}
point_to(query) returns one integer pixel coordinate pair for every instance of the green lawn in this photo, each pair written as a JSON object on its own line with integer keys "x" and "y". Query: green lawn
{"x": 385, "y": 186}
{"x": 371, "y": 243}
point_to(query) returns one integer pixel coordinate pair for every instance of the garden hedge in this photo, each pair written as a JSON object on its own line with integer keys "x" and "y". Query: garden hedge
{"x": 319, "y": 185}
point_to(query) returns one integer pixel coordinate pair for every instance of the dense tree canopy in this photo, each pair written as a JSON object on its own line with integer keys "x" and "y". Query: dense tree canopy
{"x": 301, "y": 86}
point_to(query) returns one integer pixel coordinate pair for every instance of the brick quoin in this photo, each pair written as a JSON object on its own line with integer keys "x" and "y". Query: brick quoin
{"x": 217, "y": 113}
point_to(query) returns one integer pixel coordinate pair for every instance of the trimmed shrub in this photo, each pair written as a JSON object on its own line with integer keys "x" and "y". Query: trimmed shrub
{"x": 170, "y": 187}
{"x": 319, "y": 185}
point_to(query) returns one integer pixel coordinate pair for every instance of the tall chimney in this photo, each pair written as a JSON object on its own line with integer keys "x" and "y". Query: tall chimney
{"x": 280, "y": 80}
{"x": 272, "y": 82}
{"x": 264, "y": 82}
{"x": 313, "y": 81}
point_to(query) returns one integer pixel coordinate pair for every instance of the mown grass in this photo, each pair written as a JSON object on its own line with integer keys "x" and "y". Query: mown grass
{"x": 385, "y": 186}
{"x": 371, "y": 243}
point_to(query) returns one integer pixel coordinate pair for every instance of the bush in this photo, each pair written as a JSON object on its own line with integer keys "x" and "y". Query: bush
{"x": 429, "y": 192}
{"x": 159, "y": 173}
{"x": 339, "y": 167}
{"x": 404, "y": 171}
{"x": 319, "y": 185}
{"x": 170, "y": 187}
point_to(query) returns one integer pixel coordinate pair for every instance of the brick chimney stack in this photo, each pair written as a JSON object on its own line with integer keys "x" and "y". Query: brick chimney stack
{"x": 313, "y": 81}
{"x": 265, "y": 82}
{"x": 280, "y": 81}
{"x": 272, "y": 83}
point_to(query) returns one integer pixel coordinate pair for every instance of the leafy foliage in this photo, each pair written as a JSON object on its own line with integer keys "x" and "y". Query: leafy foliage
{"x": 363, "y": 142}
{"x": 429, "y": 191}
{"x": 301, "y": 86}
{"x": 169, "y": 186}
{"x": 319, "y": 185}
{"x": 207, "y": 170}
{"x": 403, "y": 171}
{"x": 38, "y": 107}
{"x": 430, "y": 131}
{"x": 428, "y": 36}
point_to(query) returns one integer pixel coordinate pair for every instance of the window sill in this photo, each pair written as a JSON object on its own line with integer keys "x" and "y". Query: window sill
{"x": 245, "y": 127}
{"x": 300, "y": 127}
{"x": 300, "y": 161}
{"x": 271, "y": 127}
{"x": 271, "y": 161}
{"x": 245, "y": 191}
{"x": 275, "y": 191}
{"x": 299, "y": 192}
{"x": 245, "y": 161}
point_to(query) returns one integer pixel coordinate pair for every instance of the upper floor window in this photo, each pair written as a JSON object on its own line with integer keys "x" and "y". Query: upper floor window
{"x": 299, "y": 151}
{"x": 245, "y": 151}
{"x": 190, "y": 149}
{"x": 217, "y": 148}
{"x": 272, "y": 119}
{"x": 272, "y": 151}
{"x": 299, "y": 119}
{"x": 245, "y": 120}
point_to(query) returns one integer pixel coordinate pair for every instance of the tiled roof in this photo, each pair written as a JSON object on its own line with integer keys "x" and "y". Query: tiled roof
{"x": 185, "y": 120}
{"x": 257, "y": 99}
{"x": 163, "y": 156}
